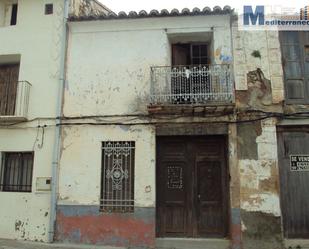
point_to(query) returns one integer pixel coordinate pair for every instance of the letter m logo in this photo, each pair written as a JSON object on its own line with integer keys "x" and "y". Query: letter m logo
{"x": 258, "y": 14}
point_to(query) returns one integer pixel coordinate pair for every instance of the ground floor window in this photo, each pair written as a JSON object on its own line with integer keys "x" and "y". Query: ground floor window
{"x": 117, "y": 179}
{"x": 16, "y": 171}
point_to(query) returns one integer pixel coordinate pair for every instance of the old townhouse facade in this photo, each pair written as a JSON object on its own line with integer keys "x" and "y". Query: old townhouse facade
{"x": 32, "y": 49}
{"x": 168, "y": 129}
{"x": 180, "y": 130}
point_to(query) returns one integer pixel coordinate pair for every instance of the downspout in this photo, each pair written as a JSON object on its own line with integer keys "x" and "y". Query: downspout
{"x": 57, "y": 144}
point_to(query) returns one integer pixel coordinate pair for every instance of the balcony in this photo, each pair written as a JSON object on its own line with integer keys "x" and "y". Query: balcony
{"x": 14, "y": 104}
{"x": 191, "y": 85}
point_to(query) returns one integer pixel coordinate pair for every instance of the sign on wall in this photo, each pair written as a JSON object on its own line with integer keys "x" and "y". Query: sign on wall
{"x": 299, "y": 162}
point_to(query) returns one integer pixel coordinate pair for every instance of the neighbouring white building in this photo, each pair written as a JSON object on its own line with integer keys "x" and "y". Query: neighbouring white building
{"x": 32, "y": 48}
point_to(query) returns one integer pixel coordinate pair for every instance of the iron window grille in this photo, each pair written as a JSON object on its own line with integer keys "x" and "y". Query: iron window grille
{"x": 16, "y": 171}
{"x": 117, "y": 179}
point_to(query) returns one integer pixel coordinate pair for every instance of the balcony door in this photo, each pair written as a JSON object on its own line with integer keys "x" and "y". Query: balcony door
{"x": 8, "y": 89}
{"x": 190, "y": 77}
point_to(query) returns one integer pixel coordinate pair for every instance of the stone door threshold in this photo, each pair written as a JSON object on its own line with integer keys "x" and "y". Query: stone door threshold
{"x": 191, "y": 243}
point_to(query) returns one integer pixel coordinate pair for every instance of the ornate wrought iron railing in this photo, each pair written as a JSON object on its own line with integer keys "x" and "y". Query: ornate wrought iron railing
{"x": 201, "y": 84}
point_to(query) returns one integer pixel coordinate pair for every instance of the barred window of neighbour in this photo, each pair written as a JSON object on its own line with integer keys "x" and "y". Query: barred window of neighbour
{"x": 117, "y": 180}
{"x": 16, "y": 171}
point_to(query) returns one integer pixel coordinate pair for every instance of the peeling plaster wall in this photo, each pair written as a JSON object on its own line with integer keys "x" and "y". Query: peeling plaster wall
{"x": 37, "y": 39}
{"x": 259, "y": 86}
{"x": 79, "y": 188}
{"x": 109, "y": 61}
{"x": 259, "y": 185}
{"x": 267, "y": 43}
{"x": 257, "y": 143}
{"x": 81, "y": 161}
{"x": 108, "y": 73}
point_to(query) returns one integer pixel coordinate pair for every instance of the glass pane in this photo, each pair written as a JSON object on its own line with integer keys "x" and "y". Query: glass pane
{"x": 195, "y": 61}
{"x": 204, "y": 60}
{"x": 195, "y": 50}
{"x": 204, "y": 50}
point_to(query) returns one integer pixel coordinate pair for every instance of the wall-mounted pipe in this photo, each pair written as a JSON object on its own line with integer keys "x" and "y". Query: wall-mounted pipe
{"x": 57, "y": 144}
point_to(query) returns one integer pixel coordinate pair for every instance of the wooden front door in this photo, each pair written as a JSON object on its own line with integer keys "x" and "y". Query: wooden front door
{"x": 192, "y": 187}
{"x": 294, "y": 181}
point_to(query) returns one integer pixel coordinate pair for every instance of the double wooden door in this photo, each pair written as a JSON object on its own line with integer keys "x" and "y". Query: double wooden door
{"x": 192, "y": 187}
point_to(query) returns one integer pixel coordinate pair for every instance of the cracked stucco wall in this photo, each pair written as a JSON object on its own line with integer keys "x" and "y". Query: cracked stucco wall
{"x": 267, "y": 43}
{"x": 259, "y": 185}
{"x": 81, "y": 161}
{"x": 259, "y": 86}
{"x": 109, "y": 61}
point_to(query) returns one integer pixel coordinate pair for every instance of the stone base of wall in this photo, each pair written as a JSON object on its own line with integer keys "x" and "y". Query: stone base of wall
{"x": 86, "y": 224}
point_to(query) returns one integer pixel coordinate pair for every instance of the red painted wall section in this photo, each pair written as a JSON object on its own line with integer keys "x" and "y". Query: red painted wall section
{"x": 106, "y": 229}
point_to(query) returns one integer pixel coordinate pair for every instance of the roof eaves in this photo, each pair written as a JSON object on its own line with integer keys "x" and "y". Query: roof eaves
{"x": 155, "y": 13}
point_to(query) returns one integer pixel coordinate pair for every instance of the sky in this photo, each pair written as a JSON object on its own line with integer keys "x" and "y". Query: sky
{"x": 137, "y": 5}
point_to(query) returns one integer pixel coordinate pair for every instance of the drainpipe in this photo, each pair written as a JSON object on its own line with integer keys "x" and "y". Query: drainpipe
{"x": 57, "y": 144}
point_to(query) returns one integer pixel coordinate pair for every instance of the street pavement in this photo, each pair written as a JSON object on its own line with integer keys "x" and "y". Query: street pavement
{"x": 14, "y": 244}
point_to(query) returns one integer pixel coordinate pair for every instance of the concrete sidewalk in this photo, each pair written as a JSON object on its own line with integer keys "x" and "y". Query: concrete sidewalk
{"x": 14, "y": 244}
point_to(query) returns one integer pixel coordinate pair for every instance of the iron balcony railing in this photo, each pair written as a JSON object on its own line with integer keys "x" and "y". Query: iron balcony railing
{"x": 203, "y": 84}
{"x": 15, "y": 100}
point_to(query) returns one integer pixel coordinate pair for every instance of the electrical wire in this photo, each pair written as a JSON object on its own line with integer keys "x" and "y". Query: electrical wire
{"x": 150, "y": 119}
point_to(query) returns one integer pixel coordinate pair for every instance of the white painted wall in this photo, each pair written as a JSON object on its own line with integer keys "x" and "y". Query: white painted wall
{"x": 81, "y": 162}
{"x": 36, "y": 38}
{"x": 109, "y": 61}
{"x": 108, "y": 73}
{"x": 30, "y": 210}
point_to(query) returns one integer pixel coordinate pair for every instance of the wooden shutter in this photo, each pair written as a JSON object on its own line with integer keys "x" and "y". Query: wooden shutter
{"x": 8, "y": 89}
{"x": 295, "y": 59}
{"x": 294, "y": 185}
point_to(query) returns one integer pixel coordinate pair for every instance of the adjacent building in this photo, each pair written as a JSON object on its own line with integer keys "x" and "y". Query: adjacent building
{"x": 32, "y": 48}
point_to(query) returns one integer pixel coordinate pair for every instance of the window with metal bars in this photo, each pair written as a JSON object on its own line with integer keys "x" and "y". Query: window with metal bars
{"x": 117, "y": 179}
{"x": 16, "y": 171}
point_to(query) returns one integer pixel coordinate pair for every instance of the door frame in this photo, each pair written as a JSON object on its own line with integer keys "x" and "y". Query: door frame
{"x": 225, "y": 183}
